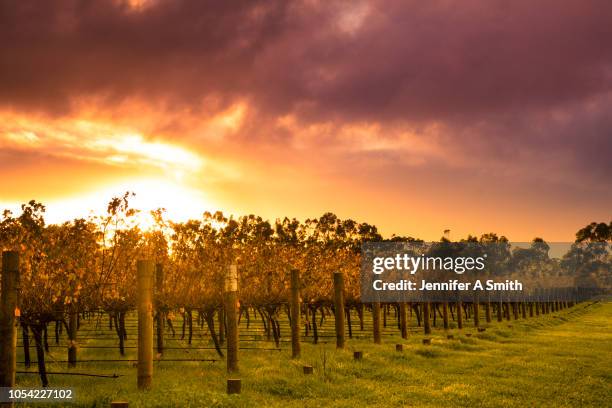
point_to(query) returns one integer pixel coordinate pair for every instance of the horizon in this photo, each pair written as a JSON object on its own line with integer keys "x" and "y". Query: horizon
{"x": 145, "y": 221}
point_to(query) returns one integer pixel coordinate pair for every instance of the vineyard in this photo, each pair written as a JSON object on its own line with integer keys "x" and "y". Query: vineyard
{"x": 101, "y": 292}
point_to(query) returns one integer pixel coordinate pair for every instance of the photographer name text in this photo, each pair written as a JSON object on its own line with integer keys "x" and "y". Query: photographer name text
{"x": 450, "y": 285}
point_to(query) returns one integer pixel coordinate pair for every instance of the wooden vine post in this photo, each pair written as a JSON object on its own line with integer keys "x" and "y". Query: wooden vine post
{"x": 339, "y": 308}
{"x": 445, "y": 315}
{"x": 488, "y": 309}
{"x": 376, "y": 322}
{"x": 72, "y": 336}
{"x": 426, "y": 321}
{"x": 404, "y": 320}
{"x": 144, "y": 276}
{"x": 231, "y": 318}
{"x": 159, "y": 288}
{"x": 459, "y": 314}
{"x": 476, "y": 311}
{"x": 295, "y": 313}
{"x": 9, "y": 311}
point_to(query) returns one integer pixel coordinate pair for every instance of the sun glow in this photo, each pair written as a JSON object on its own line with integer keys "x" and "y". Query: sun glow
{"x": 180, "y": 202}
{"x": 133, "y": 147}
{"x": 96, "y": 141}
{"x": 161, "y": 173}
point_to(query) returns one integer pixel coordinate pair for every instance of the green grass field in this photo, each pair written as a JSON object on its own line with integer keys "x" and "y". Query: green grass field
{"x": 561, "y": 360}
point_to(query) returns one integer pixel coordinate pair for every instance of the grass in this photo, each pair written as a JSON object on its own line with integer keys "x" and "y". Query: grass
{"x": 562, "y": 361}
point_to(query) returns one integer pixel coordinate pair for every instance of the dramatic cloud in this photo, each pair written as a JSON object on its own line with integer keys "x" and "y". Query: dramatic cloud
{"x": 249, "y": 93}
{"x": 380, "y": 60}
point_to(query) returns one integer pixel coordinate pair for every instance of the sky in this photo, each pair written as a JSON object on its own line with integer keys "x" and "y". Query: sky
{"x": 474, "y": 116}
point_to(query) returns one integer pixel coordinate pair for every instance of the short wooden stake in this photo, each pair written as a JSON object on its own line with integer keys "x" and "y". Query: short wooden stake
{"x": 399, "y": 347}
{"x": 358, "y": 355}
{"x": 426, "y": 341}
{"x": 307, "y": 369}
{"x": 450, "y": 337}
{"x": 234, "y": 385}
{"x": 119, "y": 404}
